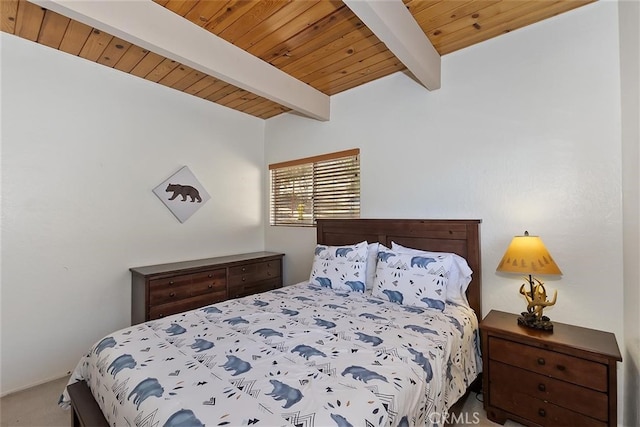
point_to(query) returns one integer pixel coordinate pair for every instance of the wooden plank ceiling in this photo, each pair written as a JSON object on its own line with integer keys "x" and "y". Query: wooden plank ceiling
{"x": 321, "y": 43}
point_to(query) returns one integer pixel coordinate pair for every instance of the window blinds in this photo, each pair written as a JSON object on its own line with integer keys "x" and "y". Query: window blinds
{"x": 326, "y": 186}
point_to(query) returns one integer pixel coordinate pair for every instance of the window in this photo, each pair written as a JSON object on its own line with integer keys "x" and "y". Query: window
{"x": 326, "y": 186}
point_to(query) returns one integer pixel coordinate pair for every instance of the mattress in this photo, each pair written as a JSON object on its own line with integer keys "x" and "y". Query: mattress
{"x": 300, "y": 355}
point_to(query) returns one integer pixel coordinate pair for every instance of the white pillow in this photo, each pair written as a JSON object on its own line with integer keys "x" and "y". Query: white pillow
{"x": 410, "y": 279}
{"x": 372, "y": 260}
{"x": 459, "y": 273}
{"x": 340, "y": 267}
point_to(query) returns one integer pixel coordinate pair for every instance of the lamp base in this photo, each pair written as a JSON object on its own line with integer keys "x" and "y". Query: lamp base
{"x": 530, "y": 320}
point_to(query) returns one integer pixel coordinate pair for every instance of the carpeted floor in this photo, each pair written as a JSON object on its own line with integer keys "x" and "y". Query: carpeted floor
{"x": 35, "y": 407}
{"x": 38, "y": 407}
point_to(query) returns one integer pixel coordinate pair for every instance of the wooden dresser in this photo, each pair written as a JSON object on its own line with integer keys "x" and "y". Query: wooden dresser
{"x": 165, "y": 289}
{"x": 538, "y": 378}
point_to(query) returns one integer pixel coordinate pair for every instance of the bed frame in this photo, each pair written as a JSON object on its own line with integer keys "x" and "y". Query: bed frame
{"x": 438, "y": 235}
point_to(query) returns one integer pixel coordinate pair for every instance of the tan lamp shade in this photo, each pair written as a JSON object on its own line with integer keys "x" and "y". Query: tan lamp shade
{"x": 528, "y": 255}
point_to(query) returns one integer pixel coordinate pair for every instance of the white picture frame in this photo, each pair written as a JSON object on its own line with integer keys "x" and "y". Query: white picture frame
{"x": 182, "y": 194}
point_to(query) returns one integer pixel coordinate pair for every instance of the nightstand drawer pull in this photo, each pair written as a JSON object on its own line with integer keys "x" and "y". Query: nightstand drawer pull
{"x": 541, "y": 361}
{"x": 172, "y": 294}
{"x": 542, "y": 387}
{"x": 210, "y": 285}
{"x": 542, "y": 412}
{"x": 171, "y": 283}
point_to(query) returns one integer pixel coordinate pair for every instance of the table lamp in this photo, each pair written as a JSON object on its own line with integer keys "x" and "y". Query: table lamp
{"x": 528, "y": 255}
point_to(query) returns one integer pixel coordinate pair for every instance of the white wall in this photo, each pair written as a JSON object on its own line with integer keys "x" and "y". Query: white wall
{"x": 629, "y": 12}
{"x": 82, "y": 148}
{"x": 524, "y": 134}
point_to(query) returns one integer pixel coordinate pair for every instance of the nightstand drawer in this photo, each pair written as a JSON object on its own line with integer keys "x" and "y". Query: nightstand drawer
{"x": 570, "y": 396}
{"x": 557, "y": 365}
{"x": 537, "y": 410}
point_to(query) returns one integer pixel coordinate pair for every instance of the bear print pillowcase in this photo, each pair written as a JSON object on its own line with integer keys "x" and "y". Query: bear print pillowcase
{"x": 340, "y": 267}
{"x": 408, "y": 279}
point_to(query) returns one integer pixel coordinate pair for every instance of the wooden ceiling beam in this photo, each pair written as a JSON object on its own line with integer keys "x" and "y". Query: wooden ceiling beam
{"x": 153, "y": 27}
{"x": 394, "y": 25}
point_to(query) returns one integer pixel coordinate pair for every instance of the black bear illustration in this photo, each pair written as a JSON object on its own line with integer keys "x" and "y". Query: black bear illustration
{"x": 184, "y": 191}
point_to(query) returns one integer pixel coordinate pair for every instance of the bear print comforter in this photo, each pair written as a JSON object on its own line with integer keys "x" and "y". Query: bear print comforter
{"x": 301, "y": 355}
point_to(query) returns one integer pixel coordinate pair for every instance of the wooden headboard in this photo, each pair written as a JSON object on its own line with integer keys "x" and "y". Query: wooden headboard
{"x": 438, "y": 235}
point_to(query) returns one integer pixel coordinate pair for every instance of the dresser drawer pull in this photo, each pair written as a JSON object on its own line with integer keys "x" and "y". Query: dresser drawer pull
{"x": 561, "y": 368}
{"x": 244, "y": 268}
{"x": 542, "y": 412}
{"x": 161, "y": 315}
{"x": 542, "y": 387}
{"x": 210, "y": 276}
{"x": 541, "y": 361}
{"x": 171, "y": 283}
{"x": 172, "y": 294}
{"x": 244, "y": 279}
{"x": 210, "y": 285}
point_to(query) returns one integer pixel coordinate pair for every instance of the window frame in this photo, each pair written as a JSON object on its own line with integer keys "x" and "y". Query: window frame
{"x": 323, "y": 175}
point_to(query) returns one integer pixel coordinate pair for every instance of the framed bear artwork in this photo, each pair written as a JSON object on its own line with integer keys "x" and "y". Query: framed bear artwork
{"x": 182, "y": 193}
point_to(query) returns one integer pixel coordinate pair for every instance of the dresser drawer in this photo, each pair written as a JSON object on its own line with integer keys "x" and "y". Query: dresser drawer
{"x": 210, "y": 275}
{"x": 250, "y": 288}
{"x": 243, "y": 270}
{"x": 556, "y": 365}
{"x": 211, "y": 281}
{"x": 536, "y": 410}
{"x": 165, "y": 290}
{"x": 254, "y": 272}
{"x": 165, "y": 310}
{"x": 570, "y": 396}
{"x": 269, "y": 269}
{"x": 169, "y": 282}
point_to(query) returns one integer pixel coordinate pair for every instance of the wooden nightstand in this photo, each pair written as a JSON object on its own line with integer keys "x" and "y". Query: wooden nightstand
{"x": 564, "y": 378}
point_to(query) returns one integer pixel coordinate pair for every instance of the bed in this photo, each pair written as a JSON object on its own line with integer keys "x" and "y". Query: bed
{"x": 309, "y": 354}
